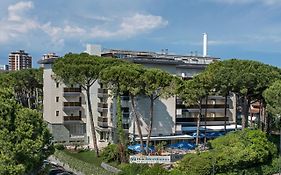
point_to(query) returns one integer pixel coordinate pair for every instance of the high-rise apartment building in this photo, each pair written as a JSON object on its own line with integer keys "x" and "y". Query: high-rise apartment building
{"x": 19, "y": 60}
{"x": 65, "y": 109}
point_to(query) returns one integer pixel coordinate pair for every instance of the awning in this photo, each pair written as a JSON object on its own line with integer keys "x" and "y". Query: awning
{"x": 212, "y": 128}
{"x": 176, "y": 137}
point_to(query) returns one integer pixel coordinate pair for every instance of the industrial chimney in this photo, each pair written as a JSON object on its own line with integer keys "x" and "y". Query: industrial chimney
{"x": 205, "y": 44}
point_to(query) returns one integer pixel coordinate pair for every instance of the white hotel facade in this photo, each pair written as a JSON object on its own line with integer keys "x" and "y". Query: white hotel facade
{"x": 65, "y": 109}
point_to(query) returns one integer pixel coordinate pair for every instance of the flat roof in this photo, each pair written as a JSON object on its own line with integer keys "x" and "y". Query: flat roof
{"x": 47, "y": 61}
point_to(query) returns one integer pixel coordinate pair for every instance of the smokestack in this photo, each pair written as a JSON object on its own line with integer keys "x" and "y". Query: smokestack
{"x": 205, "y": 44}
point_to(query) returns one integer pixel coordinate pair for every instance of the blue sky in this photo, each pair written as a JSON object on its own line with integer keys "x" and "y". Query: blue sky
{"x": 246, "y": 29}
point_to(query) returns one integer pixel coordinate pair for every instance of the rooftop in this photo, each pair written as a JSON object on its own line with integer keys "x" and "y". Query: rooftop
{"x": 153, "y": 58}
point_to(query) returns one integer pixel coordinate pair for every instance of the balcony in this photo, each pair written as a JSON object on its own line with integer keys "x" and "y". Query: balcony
{"x": 102, "y": 119}
{"x": 186, "y": 120}
{"x": 103, "y": 124}
{"x": 71, "y": 91}
{"x": 72, "y": 118}
{"x": 102, "y": 93}
{"x": 102, "y": 107}
{"x": 125, "y": 98}
{"x": 196, "y": 107}
{"x": 71, "y": 105}
{"x": 125, "y": 103}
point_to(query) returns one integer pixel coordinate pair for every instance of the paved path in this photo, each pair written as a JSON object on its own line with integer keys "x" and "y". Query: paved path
{"x": 56, "y": 161}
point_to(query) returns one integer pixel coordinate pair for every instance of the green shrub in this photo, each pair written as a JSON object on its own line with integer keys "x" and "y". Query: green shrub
{"x": 271, "y": 168}
{"x": 195, "y": 164}
{"x": 240, "y": 152}
{"x": 59, "y": 147}
{"x": 155, "y": 170}
{"x": 133, "y": 169}
{"x": 177, "y": 172}
{"x": 110, "y": 153}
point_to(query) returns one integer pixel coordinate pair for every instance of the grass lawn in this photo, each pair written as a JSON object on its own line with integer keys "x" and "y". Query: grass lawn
{"x": 85, "y": 161}
{"x": 86, "y": 156}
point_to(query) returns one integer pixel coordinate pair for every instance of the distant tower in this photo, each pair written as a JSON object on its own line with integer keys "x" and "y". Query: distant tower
{"x": 49, "y": 56}
{"x": 93, "y": 49}
{"x": 19, "y": 60}
{"x": 205, "y": 44}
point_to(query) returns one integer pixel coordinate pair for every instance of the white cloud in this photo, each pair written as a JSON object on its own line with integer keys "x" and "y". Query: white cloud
{"x": 131, "y": 26}
{"x": 73, "y": 30}
{"x": 98, "y": 18}
{"x": 18, "y": 22}
{"x": 16, "y": 11}
{"x": 58, "y": 34}
{"x": 225, "y": 42}
{"x": 141, "y": 23}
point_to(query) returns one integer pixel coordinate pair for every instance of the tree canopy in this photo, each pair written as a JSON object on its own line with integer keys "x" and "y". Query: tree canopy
{"x": 27, "y": 85}
{"x": 247, "y": 78}
{"x": 83, "y": 70}
{"x": 272, "y": 97}
{"x": 233, "y": 153}
{"x": 24, "y": 137}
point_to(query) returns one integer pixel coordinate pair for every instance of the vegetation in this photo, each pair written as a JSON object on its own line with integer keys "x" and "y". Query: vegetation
{"x": 234, "y": 153}
{"x": 82, "y": 70}
{"x": 25, "y": 140}
{"x": 129, "y": 81}
{"x": 247, "y": 79}
{"x": 111, "y": 153}
{"x": 113, "y": 78}
{"x": 24, "y": 137}
{"x": 141, "y": 169}
{"x": 192, "y": 93}
{"x": 156, "y": 83}
{"x": 272, "y": 97}
{"x": 26, "y": 85}
{"x": 86, "y": 162}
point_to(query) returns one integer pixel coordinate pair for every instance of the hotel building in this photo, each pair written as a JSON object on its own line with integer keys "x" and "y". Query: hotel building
{"x": 65, "y": 108}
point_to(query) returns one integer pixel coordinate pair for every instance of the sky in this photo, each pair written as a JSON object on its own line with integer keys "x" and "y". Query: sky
{"x": 244, "y": 29}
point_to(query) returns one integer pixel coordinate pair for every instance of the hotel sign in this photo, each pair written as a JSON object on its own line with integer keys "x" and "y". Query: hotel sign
{"x": 150, "y": 159}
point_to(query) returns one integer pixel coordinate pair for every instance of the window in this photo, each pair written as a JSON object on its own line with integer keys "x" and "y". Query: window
{"x": 57, "y": 99}
{"x": 125, "y": 126}
{"x": 125, "y": 109}
{"x": 76, "y": 129}
{"x": 58, "y": 84}
{"x": 103, "y": 136}
{"x": 126, "y": 115}
{"x": 80, "y": 113}
{"x": 57, "y": 113}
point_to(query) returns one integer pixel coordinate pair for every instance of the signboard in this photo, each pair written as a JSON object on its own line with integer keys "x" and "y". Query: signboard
{"x": 150, "y": 159}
